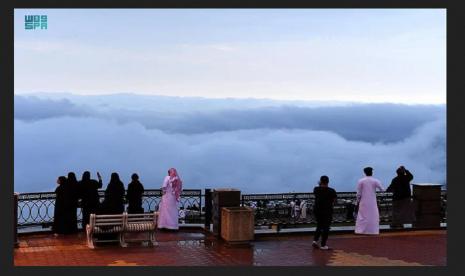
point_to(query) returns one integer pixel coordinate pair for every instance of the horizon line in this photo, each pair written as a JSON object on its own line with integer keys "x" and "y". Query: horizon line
{"x": 227, "y": 98}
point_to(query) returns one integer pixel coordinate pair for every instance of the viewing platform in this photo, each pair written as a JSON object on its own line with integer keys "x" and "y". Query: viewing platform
{"x": 195, "y": 247}
{"x": 283, "y": 236}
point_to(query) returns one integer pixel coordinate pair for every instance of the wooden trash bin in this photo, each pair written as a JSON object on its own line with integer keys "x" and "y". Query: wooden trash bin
{"x": 237, "y": 224}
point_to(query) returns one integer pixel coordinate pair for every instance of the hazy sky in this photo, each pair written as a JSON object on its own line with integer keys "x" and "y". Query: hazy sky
{"x": 361, "y": 55}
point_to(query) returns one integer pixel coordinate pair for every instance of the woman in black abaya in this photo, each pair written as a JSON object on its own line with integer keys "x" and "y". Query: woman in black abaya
{"x": 72, "y": 202}
{"x": 114, "y": 196}
{"x": 134, "y": 196}
{"x": 60, "y": 216}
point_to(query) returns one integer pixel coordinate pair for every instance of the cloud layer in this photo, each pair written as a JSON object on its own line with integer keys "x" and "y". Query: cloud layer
{"x": 363, "y": 122}
{"x": 260, "y": 148}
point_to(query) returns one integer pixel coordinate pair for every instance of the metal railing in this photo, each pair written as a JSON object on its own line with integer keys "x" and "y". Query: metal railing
{"x": 293, "y": 209}
{"x": 37, "y": 209}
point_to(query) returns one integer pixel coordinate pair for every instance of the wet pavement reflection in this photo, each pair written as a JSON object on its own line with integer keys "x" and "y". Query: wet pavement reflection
{"x": 194, "y": 247}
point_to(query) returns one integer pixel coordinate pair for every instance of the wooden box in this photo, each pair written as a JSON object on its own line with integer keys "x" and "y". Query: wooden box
{"x": 237, "y": 224}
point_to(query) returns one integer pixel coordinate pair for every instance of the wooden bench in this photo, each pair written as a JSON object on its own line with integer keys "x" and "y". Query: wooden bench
{"x": 105, "y": 224}
{"x": 120, "y": 224}
{"x": 146, "y": 222}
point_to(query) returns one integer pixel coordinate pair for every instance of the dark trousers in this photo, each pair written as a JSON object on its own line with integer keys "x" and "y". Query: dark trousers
{"x": 402, "y": 211}
{"x": 323, "y": 222}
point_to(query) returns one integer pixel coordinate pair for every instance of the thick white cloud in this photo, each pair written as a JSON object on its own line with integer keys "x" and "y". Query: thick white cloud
{"x": 249, "y": 149}
{"x": 364, "y": 122}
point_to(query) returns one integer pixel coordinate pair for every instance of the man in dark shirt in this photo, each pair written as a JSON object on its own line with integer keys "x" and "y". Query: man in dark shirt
{"x": 401, "y": 198}
{"x": 323, "y": 210}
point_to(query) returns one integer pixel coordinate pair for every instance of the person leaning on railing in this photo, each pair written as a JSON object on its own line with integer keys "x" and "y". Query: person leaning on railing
{"x": 168, "y": 217}
{"x": 114, "y": 196}
{"x": 368, "y": 214}
{"x": 73, "y": 201}
{"x": 401, "y": 198}
{"x": 134, "y": 195}
{"x": 90, "y": 199}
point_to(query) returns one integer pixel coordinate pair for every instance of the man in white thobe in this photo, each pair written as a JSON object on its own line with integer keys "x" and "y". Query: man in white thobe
{"x": 368, "y": 214}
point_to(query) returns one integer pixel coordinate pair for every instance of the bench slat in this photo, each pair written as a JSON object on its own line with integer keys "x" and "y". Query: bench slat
{"x": 122, "y": 223}
{"x": 140, "y": 220}
{"x": 109, "y": 216}
{"x": 110, "y": 221}
{"x": 107, "y": 224}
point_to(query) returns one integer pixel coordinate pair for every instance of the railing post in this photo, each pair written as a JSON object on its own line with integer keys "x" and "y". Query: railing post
{"x": 208, "y": 208}
{"x": 15, "y": 223}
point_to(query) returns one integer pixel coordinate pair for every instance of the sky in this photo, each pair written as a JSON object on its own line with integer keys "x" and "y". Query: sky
{"x": 265, "y": 101}
{"x": 357, "y": 55}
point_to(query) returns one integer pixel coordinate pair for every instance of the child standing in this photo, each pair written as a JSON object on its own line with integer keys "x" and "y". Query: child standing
{"x": 323, "y": 210}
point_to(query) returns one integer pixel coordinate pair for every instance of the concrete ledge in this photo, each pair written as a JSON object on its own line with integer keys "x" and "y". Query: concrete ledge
{"x": 384, "y": 228}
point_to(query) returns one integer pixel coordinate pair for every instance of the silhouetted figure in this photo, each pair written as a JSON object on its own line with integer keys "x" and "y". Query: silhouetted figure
{"x": 73, "y": 198}
{"x": 323, "y": 211}
{"x": 62, "y": 221}
{"x": 114, "y": 196}
{"x": 89, "y": 195}
{"x": 134, "y": 195}
{"x": 401, "y": 198}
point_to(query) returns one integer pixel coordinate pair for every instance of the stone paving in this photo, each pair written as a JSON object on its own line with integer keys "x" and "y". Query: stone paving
{"x": 194, "y": 247}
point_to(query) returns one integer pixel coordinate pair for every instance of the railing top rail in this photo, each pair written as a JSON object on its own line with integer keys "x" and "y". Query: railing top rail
{"x": 35, "y": 196}
{"x": 301, "y": 195}
{"x": 51, "y": 194}
{"x": 198, "y": 192}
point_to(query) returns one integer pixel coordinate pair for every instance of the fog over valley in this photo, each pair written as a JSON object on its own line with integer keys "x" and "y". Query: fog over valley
{"x": 255, "y": 145}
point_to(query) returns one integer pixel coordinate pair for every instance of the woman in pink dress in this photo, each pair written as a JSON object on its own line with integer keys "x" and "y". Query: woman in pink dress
{"x": 168, "y": 208}
{"x": 368, "y": 214}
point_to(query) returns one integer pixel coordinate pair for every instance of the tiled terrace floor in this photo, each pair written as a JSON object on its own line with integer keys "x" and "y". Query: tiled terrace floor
{"x": 196, "y": 248}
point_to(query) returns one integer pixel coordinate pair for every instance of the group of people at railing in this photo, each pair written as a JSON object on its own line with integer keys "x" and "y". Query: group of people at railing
{"x": 71, "y": 194}
{"x": 367, "y": 218}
